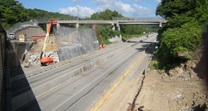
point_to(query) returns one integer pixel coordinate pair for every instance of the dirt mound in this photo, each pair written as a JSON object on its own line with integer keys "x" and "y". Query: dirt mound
{"x": 169, "y": 92}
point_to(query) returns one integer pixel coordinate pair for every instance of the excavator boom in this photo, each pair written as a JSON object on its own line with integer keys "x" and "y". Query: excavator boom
{"x": 47, "y": 60}
{"x": 102, "y": 45}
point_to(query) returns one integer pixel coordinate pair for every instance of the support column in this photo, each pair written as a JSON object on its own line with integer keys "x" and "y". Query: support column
{"x": 119, "y": 29}
{"x": 160, "y": 24}
{"x": 77, "y": 25}
{"x": 35, "y": 23}
{"x": 113, "y": 28}
{"x": 57, "y": 26}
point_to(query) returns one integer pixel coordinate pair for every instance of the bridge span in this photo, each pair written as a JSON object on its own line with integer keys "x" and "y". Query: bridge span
{"x": 114, "y": 21}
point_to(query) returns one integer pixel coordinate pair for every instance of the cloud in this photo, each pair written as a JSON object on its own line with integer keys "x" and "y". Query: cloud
{"x": 127, "y": 9}
{"x": 77, "y": 11}
{"x": 114, "y": 5}
{"x": 158, "y": 1}
{"x": 141, "y": 11}
{"x": 75, "y": 0}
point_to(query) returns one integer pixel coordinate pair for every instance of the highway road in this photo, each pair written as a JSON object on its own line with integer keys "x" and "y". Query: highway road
{"x": 79, "y": 84}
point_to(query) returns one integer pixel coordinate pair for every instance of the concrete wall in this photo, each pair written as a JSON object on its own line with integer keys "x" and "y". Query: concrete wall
{"x": 2, "y": 65}
{"x": 16, "y": 51}
{"x": 73, "y": 42}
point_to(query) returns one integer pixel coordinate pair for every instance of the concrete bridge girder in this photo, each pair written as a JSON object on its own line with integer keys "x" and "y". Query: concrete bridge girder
{"x": 115, "y": 23}
{"x": 109, "y": 21}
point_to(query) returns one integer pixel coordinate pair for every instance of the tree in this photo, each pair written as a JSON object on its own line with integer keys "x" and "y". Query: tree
{"x": 11, "y": 12}
{"x": 105, "y": 15}
{"x": 181, "y": 36}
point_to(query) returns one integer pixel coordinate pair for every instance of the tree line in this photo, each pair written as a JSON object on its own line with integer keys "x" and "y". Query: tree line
{"x": 181, "y": 36}
{"x": 12, "y": 12}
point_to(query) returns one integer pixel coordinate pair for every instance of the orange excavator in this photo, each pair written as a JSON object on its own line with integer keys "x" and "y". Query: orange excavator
{"x": 43, "y": 59}
{"x": 102, "y": 45}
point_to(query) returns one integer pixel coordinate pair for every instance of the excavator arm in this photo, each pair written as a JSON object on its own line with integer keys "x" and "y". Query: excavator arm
{"x": 102, "y": 45}
{"x": 43, "y": 59}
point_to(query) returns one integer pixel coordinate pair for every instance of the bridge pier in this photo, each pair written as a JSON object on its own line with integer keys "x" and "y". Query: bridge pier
{"x": 77, "y": 25}
{"x": 114, "y": 28}
{"x": 35, "y": 23}
{"x": 160, "y": 24}
{"x": 57, "y": 25}
{"x": 118, "y": 27}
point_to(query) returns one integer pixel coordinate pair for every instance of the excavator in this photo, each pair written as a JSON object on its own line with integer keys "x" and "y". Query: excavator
{"x": 47, "y": 60}
{"x": 102, "y": 45}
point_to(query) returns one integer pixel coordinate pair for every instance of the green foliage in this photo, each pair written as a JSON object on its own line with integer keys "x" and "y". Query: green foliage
{"x": 105, "y": 33}
{"x": 105, "y": 15}
{"x": 105, "y": 30}
{"x": 12, "y": 12}
{"x": 127, "y": 31}
{"x": 133, "y": 29}
{"x": 153, "y": 65}
{"x": 181, "y": 36}
{"x": 37, "y": 13}
{"x": 171, "y": 8}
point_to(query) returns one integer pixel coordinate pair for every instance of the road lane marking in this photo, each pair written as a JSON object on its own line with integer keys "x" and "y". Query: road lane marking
{"x": 64, "y": 102}
{"x": 109, "y": 92}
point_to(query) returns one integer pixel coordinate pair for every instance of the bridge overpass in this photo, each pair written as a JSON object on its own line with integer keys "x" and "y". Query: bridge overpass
{"x": 114, "y": 21}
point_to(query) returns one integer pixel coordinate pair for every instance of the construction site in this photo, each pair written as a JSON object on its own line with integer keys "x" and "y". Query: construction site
{"x": 67, "y": 69}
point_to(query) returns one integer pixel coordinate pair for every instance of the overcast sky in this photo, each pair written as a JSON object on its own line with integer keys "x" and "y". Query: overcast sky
{"x": 85, "y": 8}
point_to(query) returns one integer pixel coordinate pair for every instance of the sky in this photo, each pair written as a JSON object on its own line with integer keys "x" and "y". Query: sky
{"x": 85, "y": 8}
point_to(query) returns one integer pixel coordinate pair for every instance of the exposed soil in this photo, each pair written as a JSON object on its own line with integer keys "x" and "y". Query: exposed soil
{"x": 33, "y": 55}
{"x": 51, "y": 45}
{"x": 161, "y": 92}
{"x": 178, "y": 90}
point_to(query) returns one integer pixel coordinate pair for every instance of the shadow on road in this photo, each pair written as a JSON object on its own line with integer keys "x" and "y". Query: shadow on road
{"x": 21, "y": 97}
{"x": 141, "y": 41}
{"x": 148, "y": 48}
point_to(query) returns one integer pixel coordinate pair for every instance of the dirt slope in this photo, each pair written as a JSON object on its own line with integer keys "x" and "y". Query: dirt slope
{"x": 161, "y": 92}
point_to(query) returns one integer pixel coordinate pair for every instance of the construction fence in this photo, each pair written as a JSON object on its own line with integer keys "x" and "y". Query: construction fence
{"x": 74, "y": 42}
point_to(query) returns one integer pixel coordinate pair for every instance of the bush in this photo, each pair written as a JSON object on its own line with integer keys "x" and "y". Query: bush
{"x": 176, "y": 44}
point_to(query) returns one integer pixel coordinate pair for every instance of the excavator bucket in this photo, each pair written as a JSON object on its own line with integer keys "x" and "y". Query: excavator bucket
{"x": 45, "y": 61}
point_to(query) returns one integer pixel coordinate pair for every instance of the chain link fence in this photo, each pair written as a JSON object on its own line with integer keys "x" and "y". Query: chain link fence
{"x": 74, "y": 42}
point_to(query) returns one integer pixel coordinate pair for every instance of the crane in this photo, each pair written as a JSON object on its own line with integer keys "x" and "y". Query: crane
{"x": 43, "y": 59}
